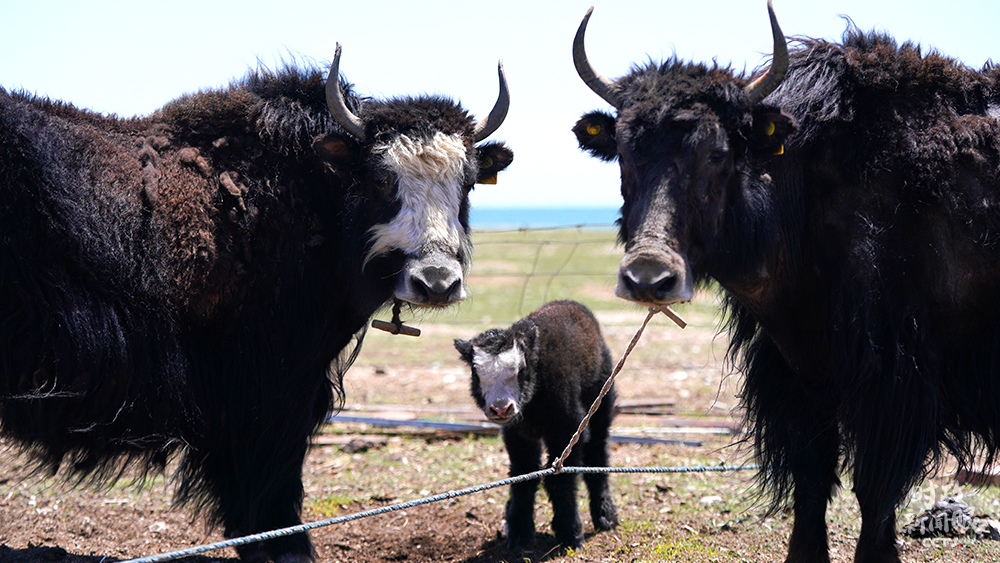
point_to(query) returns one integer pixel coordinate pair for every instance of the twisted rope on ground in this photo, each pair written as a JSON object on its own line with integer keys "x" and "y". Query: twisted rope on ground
{"x": 263, "y": 536}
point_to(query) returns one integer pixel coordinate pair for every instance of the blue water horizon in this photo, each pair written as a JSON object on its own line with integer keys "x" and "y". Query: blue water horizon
{"x": 509, "y": 218}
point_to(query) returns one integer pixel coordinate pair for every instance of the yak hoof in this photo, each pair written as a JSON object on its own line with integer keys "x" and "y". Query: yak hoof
{"x": 605, "y": 523}
{"x": 516, "y": 543}
{"x": 606, "y": 517}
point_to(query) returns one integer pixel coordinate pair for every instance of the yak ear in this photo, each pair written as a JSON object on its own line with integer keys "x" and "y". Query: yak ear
{"x": 340, "y": 151}
{"x": 493, "y": 157}
{"x": 771, "y": 127}
{"x": 464, "y": 348}
{"x": 595, "y": 132}
{"x": 530, "y": 342}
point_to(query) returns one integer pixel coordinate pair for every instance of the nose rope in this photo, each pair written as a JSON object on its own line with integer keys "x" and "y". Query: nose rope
{"x": 396, "y": 326}
{"x": 558, "y": 463}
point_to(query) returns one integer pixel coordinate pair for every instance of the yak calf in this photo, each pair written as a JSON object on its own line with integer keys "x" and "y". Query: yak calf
{"x": 538, "y": 379}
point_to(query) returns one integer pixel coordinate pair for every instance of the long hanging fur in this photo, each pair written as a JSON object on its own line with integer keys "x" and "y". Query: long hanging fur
{"x": 854, "y": 227}
{"x": 196, "y": 282}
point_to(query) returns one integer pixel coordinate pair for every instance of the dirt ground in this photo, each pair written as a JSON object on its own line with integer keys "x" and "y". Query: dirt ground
{"x": 676, "y": 387}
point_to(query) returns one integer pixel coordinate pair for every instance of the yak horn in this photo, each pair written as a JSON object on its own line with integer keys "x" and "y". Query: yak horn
{"x": 486, "y": 127}
{"x": 598, "y": 83}
{"x": 335, "y": 101}
{"x": 760, "y": 88}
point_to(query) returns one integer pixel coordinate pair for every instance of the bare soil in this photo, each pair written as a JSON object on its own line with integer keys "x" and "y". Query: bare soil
{"x": 676, "y": 381}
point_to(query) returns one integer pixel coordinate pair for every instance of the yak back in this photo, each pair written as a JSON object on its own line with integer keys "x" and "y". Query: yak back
{"x": 139, "y": 256}
{"x": 893, "y": 172}
{"x": 570, "y": 359}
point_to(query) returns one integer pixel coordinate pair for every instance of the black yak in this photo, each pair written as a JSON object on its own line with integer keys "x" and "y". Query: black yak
{"x": 192, "y": 281}
{"x": 538, "y": 379}
{"x": 847, "y": 201}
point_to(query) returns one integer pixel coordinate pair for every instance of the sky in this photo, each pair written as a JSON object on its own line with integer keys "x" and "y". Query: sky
{"x": 129, "y": 58}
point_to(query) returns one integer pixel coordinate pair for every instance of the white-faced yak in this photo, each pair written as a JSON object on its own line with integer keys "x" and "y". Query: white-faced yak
{"x": 190, "y": 282}
{"x": 538, "y": 379}
{"x": 847, "y": 201}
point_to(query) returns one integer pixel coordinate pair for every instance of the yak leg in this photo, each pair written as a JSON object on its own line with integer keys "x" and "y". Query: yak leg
{"x": 890, "y": 458}
{"x": 796, "y": 439}
{"x": 881, "y": 481}
{"x": 595, "y": 454}
{"x": 561, "y": 487}
{"x": 525, "y": 457}
{"x": 814, "y": 462}
{"x": 877, "y": 541}
{"x": 257, "y": 481}
{"x": 272, "y": 500}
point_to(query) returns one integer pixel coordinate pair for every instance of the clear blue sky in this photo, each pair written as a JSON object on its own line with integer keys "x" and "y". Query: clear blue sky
{"x": 132, "y": 57}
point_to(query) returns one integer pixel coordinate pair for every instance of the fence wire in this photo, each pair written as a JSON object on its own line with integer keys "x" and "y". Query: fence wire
{"x": 555, "y": 238}
{"x": 427, "y": 500}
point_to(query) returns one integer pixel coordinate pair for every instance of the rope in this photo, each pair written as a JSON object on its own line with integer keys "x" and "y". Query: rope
{"x": 558, "y": 463}
{"x": 263, "y": 536}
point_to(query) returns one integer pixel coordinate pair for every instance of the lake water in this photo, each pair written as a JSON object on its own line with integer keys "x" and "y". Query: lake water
{"x": 503, "y": 218}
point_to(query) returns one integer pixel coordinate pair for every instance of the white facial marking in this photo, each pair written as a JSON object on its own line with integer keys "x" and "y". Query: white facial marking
{"x": 498, "y": 375}
{"x": 430, "y": 191}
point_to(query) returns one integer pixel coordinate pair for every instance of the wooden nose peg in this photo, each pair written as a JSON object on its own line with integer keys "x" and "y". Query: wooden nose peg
{"x": 396, "y": 326}
{"x": 670, "y": 315}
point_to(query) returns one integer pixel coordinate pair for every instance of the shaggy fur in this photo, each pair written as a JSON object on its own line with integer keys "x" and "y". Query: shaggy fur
{"x": 859, "y": 263}
{"x": 191, "y": 282}
{"x": 539, "y": 378}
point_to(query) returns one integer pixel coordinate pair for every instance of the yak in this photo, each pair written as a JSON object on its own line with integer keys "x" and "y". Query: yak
{"x": 846, "y": 200}
{"x": 194, "y": 283}
{"x": 538, "y": 379}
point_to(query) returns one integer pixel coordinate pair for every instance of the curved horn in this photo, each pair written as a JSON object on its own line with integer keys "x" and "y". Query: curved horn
{"x": 598, "y": 83}
{"x": 486, "y": 127}
{"x": 760, "y": 88}
{"x": 335, "y": 101}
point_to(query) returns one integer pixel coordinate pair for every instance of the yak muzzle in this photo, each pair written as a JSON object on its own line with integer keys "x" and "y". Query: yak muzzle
{"x": 654, "y": 278}
{"x": 501, "y": 411}
{"x": 434, "y": 281}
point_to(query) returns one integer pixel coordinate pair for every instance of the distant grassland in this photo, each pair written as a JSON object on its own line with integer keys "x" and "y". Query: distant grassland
{"x": 515, "y": 272}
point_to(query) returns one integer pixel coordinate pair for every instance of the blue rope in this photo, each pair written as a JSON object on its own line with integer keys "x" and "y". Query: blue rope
{"x": 427, "y": 500}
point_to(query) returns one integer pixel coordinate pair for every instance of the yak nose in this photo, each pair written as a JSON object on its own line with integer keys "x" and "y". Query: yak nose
{"x": 438, "y": 285}
{"x": 647, "y": 279}
{"x": 643, "y": 286}
{"x": 501, "y": 411}
{"x": 435, "y": 280}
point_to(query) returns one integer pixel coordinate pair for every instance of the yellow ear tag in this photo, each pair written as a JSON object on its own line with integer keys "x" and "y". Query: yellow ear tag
{"x": 593, "y": 129}
{"x": 491, "y": 180}
{"x": 770, "y": 129}
{"x": 780, "y": 151}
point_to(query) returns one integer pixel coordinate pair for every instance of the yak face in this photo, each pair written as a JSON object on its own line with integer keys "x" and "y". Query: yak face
{"x": 685, "y": 137}
{"x": 431, "y": 179}
{"x": 422, "y": 180}
{"x": 681, "y": 167}
{"x": 415, "y": 160}
{"x": 502, "y": 377}
{"x": 673, "y": 177}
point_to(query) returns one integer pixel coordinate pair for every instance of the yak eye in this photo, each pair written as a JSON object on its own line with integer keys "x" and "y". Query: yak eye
{"x": 717, "y": 156}
{"x": 385, "y": 181}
